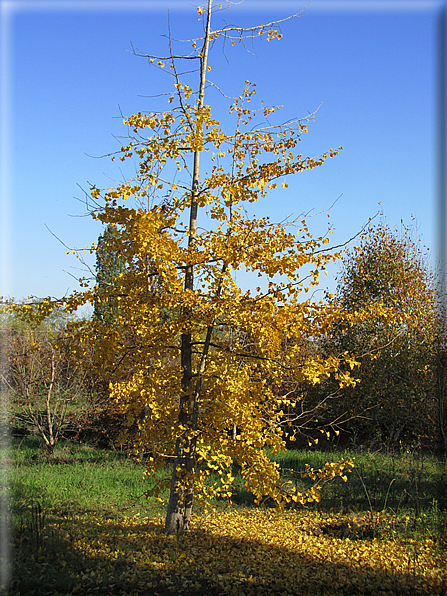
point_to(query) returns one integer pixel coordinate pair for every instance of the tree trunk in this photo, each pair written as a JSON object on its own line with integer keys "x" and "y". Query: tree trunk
{"x": 179, "y": 511}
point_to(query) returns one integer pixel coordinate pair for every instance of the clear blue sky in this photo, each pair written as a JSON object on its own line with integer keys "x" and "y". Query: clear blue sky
{"x": 67, "y": 73}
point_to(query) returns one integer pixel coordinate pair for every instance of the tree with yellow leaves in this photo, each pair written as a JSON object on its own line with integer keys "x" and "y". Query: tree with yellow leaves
{"x": 191, "y": 358}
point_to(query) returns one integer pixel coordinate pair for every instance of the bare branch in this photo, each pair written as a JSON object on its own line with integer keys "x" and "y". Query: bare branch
{"x": 258, "y": 28}
{"x": 140, "y": 54}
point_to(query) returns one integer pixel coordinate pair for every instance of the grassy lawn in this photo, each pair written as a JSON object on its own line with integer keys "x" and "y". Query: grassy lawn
{"x": 82, "y": 525}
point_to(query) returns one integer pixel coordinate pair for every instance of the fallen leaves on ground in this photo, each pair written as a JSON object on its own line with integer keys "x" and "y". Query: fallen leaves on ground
{"x": 236, "y": 552}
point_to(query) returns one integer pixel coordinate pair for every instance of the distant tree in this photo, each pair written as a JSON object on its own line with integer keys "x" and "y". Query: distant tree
{"x": 42, "y": 379}
{"x": 109, "y": 265}
{"x": 395, "y": 398}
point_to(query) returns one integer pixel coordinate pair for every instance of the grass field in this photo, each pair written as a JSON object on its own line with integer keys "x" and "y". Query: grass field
{"x": 80, "y": 524}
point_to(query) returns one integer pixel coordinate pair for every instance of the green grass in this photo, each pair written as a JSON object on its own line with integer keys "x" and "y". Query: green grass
{"x": 378, "y": 481}
{"x": 77, "y": 478}
{"x": 80, "y": 477}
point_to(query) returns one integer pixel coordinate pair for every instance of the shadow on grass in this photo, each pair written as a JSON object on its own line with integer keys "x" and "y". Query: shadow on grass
{"x": 104, "y": 556}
